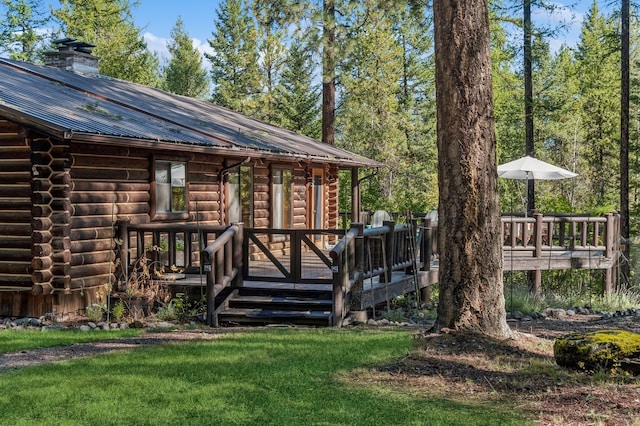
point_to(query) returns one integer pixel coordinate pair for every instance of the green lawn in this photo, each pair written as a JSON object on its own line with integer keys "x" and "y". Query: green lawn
{"x": 265, "y": 377}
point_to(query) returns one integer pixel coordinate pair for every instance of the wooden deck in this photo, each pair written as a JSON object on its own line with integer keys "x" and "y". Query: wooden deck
{"x": 353, "y": 269}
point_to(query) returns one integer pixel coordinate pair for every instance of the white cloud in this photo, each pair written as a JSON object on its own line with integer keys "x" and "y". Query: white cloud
{"x": 203, "y": 47}
{"x": 159, "y": 45}
{"x": 564, "y": 23}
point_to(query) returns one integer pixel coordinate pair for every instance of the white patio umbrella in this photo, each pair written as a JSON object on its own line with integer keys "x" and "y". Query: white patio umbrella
{"x": 527, "y": 167}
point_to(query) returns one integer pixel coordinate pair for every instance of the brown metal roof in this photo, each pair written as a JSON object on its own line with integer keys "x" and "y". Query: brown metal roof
{"x": 89, "y": 107}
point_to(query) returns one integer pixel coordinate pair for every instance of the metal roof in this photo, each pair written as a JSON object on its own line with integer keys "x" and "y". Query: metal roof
{"x": 72, "y": 105}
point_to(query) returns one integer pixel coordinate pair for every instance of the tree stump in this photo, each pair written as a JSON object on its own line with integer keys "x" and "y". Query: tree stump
{"x": 598, "y": 350}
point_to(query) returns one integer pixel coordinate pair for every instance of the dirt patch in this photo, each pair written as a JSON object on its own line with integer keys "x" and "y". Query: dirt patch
{"x": 27, "y": 358}
{"x": 521, "y": 372}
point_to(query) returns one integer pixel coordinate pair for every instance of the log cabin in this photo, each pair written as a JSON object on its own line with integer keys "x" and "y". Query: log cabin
{"x": 80, "y": 152}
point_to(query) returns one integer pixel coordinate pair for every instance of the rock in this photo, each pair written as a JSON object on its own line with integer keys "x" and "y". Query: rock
{"x": 555, "y": 313}
{"x": 124, "y": 326}
{"x": 517, "y": 315}
{"x": 85, "y": 328}
{"x": 22, "y": 321}
{"x": 384, "y": 321}
{"x": 597, "y": 350}
{"x": 92, "y": 325}
{"x": 137, "y": 324}
{"x": 373, "y": 322}
{"x": 570, "y": 312}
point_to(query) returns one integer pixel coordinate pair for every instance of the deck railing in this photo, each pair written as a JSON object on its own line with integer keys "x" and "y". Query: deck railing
{"x": 374, "y": 254}
{"x": 165, "y": 244}
{"x": 360, "y": 254}
{"x": 540, "y": 234}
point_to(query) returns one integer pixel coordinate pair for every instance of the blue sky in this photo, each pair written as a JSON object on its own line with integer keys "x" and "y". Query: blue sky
{"x": 156, "y": 18}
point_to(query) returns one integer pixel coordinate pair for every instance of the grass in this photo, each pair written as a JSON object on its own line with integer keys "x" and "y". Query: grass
{"x": 277, "y": 377}
{"x": 11, "y": 341}
{"x": 519, "y": 299}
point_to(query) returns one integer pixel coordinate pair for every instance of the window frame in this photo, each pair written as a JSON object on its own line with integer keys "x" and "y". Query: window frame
{"x": 168, "y": 215}
{"x": 245, "y": 204}
{"x": 278, "y": 198}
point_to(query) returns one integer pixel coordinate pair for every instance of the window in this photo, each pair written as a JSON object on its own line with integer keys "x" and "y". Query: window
{"x": 282, "y": 211}
{"x": 240, "y": 204}
{"x": 171, "y": 189}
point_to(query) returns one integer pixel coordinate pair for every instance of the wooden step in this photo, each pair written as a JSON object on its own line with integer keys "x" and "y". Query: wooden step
{"x": 285, "y": 292}
{"x": 280, "y": 302}
{"x": 262, "y": 305}
{"x": 258, "y": 316}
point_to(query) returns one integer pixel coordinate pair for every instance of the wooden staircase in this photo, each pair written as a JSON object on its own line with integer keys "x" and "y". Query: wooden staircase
{"x": 261, "y": 306}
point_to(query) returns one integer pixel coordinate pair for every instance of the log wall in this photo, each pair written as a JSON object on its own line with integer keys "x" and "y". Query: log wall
{"x": 15, "y": 207}
{"x": 261, "y": 196}
{"x": 331, "y": 195}
{"x": 299, "y": 193}
{"x": 107, "y": 184}
{"x": 204, "y": 189}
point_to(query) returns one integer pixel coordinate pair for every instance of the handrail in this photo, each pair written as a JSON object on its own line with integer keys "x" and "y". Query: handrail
{"x": 222, "y": 261}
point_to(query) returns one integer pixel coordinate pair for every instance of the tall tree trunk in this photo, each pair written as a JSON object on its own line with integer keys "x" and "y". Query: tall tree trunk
{"x": 528, "y": 102}
{"x": 533, "y": 277}
{"x": 328, "y": 72}
{"x": 624, "y": 142}
{"x": 470, "y": 280}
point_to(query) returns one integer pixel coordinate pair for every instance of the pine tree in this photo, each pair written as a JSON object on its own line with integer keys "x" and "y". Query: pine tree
{"x": 184, "y": 75}
{"x": 22, "y": 33}
{"x": 470, "y": 276}
{"x": 370, "y": 119}
{"x": 415, "y": 185}
{"x": 234, "y": 65}
{"x": 296, "y": 97}
{"x": 109, "y": 25}
{"x": 598, "y": 59}
{"x": 273, "y": 21}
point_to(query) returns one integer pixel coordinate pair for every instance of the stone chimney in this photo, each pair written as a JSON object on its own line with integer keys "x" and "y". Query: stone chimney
{"x": 73, "y": 56}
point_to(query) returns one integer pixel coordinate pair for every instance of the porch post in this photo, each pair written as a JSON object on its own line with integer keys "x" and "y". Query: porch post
{"x": 355, "y": 196}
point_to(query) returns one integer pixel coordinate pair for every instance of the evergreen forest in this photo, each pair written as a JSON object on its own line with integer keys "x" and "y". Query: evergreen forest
{"x": 272, "y": 60}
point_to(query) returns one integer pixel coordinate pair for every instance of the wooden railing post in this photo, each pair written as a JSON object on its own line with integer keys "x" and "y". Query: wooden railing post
{"x": 610, "y": 237}
{"x": 238, "y": 242}
{"x": 609, "y": 252}
{"x": 207, "y": 268}
{"x": 426, "y": 251}
{"x": 389, "y": 247}
{"x": 340, "y": 282}
{"x": 358, "y": 267}
{"x": 537, "y": 234}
